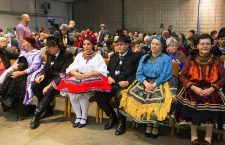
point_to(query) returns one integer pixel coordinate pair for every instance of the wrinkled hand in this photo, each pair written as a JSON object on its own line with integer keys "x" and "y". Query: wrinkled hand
{"x": 123, "y": 84}
{"x": 39, "y": 79}
{"x": 149, "y": 87}
{"x": 208, "y": 91}
{"x": 111, "y": 80}
{"x": 17, "y": 74}
{"x": 198, "y": 91}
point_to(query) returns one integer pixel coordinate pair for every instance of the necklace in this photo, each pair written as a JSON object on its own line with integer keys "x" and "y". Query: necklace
{"x": 204, "y": 59}
{"x": 89, "y": 56}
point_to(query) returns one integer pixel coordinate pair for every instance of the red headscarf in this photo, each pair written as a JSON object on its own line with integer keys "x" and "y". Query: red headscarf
{"x": 31, "y": 40}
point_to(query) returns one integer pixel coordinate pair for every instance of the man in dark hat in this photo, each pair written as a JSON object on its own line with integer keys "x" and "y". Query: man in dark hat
{"x": 219, "y": 49}
{"x": 122, "y": 70}
{"x": 57, "y": 62}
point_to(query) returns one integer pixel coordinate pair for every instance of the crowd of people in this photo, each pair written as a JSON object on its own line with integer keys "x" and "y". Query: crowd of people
{"x": 136, "y": 69}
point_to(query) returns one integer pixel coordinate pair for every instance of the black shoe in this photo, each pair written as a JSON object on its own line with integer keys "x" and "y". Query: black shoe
{"x": 35, "y": 122}
{"x": 206, "y": 142}
{"x": 47, "y": 113}
{"x": 148, "y": 134}
{"x": 80, "y": 125}
{"x": 195, "y": 142}
{"x": 154, "y": 136}
{"x": 111, "y": 121}
{"x": 4, "y": 108}
{"x": 75, "y": 124}
{"x": 120, "y": 129}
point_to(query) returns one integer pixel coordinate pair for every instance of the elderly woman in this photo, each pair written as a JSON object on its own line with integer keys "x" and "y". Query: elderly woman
{"x": 5, "y": 55}
{"x": 177, "y": 56}
{"x": 34, "y": 61}
{"x": 86, "y": 74}
{"x": 148, "y": 99}
{"x": 200, "y": 101}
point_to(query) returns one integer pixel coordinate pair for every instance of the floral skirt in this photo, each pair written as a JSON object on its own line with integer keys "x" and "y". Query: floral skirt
{"x": 144, "y": 107}
{"x": 192, "y": 108}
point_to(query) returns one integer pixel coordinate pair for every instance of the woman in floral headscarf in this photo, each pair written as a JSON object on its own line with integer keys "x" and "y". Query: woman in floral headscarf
{"x": 148, "y": 99}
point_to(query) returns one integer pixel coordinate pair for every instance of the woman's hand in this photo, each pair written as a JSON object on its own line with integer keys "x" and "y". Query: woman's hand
{"x": 149, "y": 87}
{"x": 198, "y": 90}
{"x": 17, "y": 74}
{"x": 208, "y": 91}
{"x": 15, "y": 67}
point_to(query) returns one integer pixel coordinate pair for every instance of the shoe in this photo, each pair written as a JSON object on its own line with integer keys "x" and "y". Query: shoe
{"x": 148, "y": 134}
{"x": 80, "y": 125}
{"x": 120, "y": 129}
{"x": 76, "y": 124}
{"x": 4, "y": 108}
{"x": 35, "y": 122}
{"x": 206, "y": 142}
{"x": 154, "y": 136}
{"x": 111, "y": 121}
{"x": 149, "y": 129}
{"x": 195, "y": 142}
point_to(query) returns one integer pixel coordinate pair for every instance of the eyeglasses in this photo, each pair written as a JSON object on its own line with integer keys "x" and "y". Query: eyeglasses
{"x": 203, "y": 44}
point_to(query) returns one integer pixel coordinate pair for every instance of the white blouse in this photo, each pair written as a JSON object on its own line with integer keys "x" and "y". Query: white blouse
{"x": 82, "y": 65}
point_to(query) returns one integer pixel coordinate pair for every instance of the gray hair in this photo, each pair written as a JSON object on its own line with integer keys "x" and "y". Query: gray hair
{"x": 3, "y": 39}
{"x": 171, "y": 41}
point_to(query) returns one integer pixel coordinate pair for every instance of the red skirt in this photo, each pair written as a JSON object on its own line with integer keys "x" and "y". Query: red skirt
{"x": 74, "y": 85}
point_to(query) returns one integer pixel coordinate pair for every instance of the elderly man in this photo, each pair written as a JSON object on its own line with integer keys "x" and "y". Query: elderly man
{"x": 22, "y": 28}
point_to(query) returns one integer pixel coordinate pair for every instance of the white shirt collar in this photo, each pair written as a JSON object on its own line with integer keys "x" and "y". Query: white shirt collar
{"x": 123, "y": 54}
{"x": 57, "y": 54}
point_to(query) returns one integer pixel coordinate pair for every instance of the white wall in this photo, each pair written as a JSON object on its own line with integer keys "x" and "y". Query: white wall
{"x": 11, "y": 10}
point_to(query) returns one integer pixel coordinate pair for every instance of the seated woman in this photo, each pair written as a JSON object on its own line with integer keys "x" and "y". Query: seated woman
{"x": 34, "y": 62}
{"x": 5, "y": 55}
{"x": 86, "y": 74}
{"x": 200, "y": 101}
{"x": 176, "y": 55}
{"x": 148, "y": 99}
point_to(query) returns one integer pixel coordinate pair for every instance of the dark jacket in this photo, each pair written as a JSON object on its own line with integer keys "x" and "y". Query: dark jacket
{"x": 216, "y": 51}
{"x": 60, "y": 65}
{"x": 6, "y": 56}
{"x": 129, "y": 66}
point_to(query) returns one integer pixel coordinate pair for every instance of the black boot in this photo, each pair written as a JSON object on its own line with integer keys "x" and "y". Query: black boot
{"x": 111, "y": 121}
{"x": 121, "y": 128}
{"x": 47, "y": 113}
{"x": 4, "y": 107}
{"x": 35, "y": 122}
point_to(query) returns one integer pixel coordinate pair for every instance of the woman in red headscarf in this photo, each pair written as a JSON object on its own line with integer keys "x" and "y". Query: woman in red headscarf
{"x": 25, "y": 69}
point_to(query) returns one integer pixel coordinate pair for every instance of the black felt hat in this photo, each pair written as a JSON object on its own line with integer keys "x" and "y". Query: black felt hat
{"x": 52, "y": 41}
{"x": 123, "y": 38}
